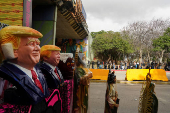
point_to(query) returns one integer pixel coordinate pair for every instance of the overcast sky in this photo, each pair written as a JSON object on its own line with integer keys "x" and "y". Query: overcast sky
{"x": 116, "y": 14}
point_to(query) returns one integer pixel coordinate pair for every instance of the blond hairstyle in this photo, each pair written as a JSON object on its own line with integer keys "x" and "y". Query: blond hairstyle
{"x": 46, "y": 51}
{"x": 9, "y": 38}
{"x": 13, "y": 34}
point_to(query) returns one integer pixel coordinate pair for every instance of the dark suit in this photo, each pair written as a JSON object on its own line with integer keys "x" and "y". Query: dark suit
{"x": 25, "y": 92}
{"x": 52, "y": 81}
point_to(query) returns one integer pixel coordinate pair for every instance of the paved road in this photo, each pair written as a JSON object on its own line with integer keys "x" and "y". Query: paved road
{"x": 129, "y": 97}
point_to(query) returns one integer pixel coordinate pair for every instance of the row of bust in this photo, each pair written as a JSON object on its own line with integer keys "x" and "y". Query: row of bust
{"x": 26, "y": 84}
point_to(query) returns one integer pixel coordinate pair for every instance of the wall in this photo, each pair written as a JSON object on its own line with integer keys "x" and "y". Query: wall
{"x": 43, "y": 21}
{"x": 11, "y": 12}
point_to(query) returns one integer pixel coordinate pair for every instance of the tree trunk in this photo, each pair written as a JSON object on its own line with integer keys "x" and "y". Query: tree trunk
{"x": 140, "y": 58}
{"x": 161, "y": 57}
{"x": 109, "y": 57}
{"x": 149, "y": 57}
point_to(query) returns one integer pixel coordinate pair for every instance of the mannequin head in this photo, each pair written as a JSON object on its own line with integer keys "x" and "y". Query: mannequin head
{"x": 50, "y": 54}
{"x": 20, "y": 45}
{"x": 111, "y": 78}
{"x": 81, "y": 60}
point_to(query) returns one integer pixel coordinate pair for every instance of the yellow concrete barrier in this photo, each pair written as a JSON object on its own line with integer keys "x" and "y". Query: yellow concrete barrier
{"x": 101, "y": 74}
{"x": 140, "y": 74}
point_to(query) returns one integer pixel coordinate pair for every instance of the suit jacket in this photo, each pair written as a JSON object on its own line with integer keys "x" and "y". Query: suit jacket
{"x": 25, "y": 91}
{"x": 52, "y": 81}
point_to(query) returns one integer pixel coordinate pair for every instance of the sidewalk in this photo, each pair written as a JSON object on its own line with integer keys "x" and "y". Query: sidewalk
{"x": 121, "y": 74}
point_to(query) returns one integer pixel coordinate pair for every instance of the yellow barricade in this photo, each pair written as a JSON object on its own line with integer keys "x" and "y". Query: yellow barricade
{"x": 140, "y": 74}
{"x": 101, "y": 74}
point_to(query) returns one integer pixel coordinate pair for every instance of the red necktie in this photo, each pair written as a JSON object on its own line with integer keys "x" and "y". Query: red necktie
{"x": 36, "y": 81}
{"x": 57, "y": 74}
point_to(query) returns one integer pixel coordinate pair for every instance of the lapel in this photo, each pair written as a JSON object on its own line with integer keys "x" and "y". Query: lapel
{"x": 59, "y": 73}
{"x": 42, "y": 80}
{"x": 51, "y": 72}
{"x": 24, "y": 80}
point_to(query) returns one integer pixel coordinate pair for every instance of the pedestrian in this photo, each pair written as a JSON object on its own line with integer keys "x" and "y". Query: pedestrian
{"x": 111, "y": 97}
{"x": 98, "y": 63}
{"x": 105, "y": 65}
{"x": 92, "y": 64}
{"x": 134, "y": 64}
{"x": 109, "y": 65}
{"x": 148, "y": 65}
{"x": 159, "y": 66}
{"x": 125, "y": 65}
{"x": 102, "y": 65}
{"x": 130, "y": 65}
{"x": 121, "y": 64}
{"x": 113, "y": 65}
{"x": 141, "y": 65}
{"x": 137, "y": 65}
{"x": 152, "y": 65}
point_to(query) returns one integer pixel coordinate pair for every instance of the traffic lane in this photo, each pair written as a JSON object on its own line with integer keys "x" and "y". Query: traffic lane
{"x": 129, "y": 97}
{"x": 163, "y": 95}
{"x": 97, "y": 97}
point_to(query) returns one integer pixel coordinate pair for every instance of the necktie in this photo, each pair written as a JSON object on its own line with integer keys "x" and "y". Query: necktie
{"x": 57, "y": 74}
{"x": 36, "y": 81}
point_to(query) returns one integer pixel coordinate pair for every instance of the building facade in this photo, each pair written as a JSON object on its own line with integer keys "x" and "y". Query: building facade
{"x": 62, "y": 22}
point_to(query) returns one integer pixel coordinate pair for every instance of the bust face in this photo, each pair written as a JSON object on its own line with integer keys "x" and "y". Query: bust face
{"x": 54, "y": 59}
{"x": 28, "y": 52}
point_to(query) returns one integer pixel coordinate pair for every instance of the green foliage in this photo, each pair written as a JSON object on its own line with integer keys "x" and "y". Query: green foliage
{"x": 163, "y": 42}
{"x": 110, "y": 45}
{"x": 93, "y": 34}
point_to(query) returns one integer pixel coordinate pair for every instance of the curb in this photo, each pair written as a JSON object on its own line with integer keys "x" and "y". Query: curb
{"x": 131, "y": 82}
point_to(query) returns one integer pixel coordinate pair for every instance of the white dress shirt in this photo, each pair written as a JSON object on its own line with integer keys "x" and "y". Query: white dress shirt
{"x": 26, "y": 71}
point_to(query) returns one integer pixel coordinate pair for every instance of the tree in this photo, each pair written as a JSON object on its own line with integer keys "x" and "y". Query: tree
{"x": 162, "y": 44}
{"x": 156, "y": 29}
{"x": 93, "y": 34}
{"x": 142, "y": 34}
{"x": 137, "y": 33}
{"x": 110, "y": 45}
